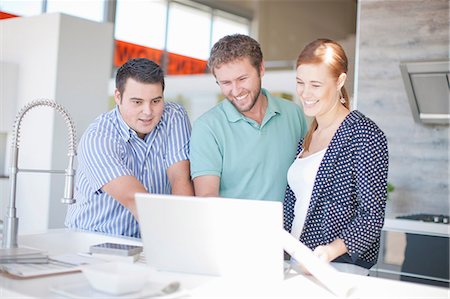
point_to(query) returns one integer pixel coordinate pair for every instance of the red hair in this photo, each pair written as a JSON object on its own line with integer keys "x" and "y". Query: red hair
{"x": 330, "y": 53}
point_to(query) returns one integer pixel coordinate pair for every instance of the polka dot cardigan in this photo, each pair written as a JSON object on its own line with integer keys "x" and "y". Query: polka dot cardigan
{"x": 349, "y": 195}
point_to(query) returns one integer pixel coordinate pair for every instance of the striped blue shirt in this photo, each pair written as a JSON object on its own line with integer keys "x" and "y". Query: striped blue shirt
{"x": 108, "y": 149}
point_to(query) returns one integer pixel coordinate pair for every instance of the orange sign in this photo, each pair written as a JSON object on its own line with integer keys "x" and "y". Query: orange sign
{"x": 5, "y": 15}
{"x": 176, "y": 64}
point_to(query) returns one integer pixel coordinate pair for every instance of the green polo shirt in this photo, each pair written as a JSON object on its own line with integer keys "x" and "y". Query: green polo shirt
{"x": 251, "y": 160}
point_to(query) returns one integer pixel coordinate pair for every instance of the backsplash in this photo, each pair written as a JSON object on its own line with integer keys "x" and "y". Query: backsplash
{"x": 390, "y": 32}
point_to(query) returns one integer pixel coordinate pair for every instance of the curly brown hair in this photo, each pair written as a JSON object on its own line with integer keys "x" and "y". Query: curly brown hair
{"x": 235, "y": 47}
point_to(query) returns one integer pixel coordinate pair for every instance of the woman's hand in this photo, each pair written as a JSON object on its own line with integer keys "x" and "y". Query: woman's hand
{"x": 326, "y": 253}
{"x": 323, "y": 253}
{"x": 330, "y": 251}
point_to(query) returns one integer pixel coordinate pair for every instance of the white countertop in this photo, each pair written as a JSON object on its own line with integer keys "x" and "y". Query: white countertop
{"x": 417, "y": 227}
{"x": 197, "y": 286}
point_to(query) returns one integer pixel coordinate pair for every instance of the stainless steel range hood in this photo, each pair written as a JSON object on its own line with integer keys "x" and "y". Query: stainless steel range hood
{"x": 428, "y": 89}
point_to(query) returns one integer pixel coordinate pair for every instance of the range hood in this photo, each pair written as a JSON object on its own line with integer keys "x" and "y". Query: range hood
{"x": 428, "y": 89}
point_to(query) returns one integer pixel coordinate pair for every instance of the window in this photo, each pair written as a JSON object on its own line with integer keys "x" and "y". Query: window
{"x": 141, "y": 22}
{"x": 182, "y": 27}
{"x": 223, "y": 25}
{"x": 188, "y": 31}
{"x": 88, "y": 9}
{"x": 22, "y": 8}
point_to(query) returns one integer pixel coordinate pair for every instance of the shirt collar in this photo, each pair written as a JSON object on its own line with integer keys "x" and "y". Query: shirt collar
{"x": 233, "y": 115}
{"x": 124, "y": 130}
{"x": 127, "y": 133}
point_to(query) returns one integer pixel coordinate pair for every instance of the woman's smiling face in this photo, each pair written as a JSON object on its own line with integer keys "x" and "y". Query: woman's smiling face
{"x": 317, "y": 88}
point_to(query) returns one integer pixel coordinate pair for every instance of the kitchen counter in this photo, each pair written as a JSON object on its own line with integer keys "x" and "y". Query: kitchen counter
{"x": 63, "y": 241}
{"x": 405, "y": 252}
{"x": 417, "y": 227}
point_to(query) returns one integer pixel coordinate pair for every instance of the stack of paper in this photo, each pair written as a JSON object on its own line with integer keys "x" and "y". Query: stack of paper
{"x": 32, "y": 270}
{"x": 22, "y": 255}
{"x": 24, "y": 262}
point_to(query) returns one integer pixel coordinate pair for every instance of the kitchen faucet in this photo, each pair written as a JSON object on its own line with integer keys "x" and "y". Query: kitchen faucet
{"x": 11, "y": 222}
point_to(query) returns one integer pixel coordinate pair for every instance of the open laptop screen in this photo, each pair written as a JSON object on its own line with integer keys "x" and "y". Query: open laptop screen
{"x": 234, "y": 238}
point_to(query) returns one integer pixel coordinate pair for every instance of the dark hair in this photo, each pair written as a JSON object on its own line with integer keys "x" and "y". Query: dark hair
{"x": 142, "y": 70}
{"x": 330, "y": 53}
{"x": 235, "y": 46}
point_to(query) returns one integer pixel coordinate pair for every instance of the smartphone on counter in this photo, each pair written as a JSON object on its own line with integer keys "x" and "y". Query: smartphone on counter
{"x": 116, "y": 249}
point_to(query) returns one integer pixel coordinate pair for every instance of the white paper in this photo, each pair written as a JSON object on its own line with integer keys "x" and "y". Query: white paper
{"x": 76, "y": 259}
{"x": 56, "y": 264}
{"x": 32, "y": 270}
{"x": 322, "y": 271}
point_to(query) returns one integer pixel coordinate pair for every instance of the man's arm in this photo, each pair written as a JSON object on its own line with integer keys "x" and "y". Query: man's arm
{"x": 207, "y": 185}
{"x": 180, "y": 179}
{"x": 123, "y": 189}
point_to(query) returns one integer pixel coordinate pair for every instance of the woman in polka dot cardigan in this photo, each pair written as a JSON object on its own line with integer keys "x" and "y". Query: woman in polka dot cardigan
{"x": 336, "y": 195}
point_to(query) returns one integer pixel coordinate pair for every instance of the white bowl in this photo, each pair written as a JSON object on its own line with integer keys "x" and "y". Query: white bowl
{"x": 117, "y": 278}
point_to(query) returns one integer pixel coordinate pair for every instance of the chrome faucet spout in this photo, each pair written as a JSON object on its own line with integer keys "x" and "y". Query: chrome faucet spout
{"x": 69, "y": 183}
{"x": 11, "y": 222}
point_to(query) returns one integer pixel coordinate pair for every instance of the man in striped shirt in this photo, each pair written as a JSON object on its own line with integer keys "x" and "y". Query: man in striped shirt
{"x": 142, "y": 145}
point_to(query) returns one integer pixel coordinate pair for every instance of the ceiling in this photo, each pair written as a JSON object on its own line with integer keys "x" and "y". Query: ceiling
{"x": 248, "y": 8}
{"x": 245, "y": 8}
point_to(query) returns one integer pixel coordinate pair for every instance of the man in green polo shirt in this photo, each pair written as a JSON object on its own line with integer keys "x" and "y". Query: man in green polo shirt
{"x": 243, "y": 147}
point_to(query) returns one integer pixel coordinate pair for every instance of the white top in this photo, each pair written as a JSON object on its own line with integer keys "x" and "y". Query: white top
{"x": 301, "y": 176}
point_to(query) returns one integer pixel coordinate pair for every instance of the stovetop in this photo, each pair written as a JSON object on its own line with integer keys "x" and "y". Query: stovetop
{"x": 435, "y": 218}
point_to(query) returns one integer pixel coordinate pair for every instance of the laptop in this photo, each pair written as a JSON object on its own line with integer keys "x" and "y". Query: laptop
{"x": 232, "y": 238}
